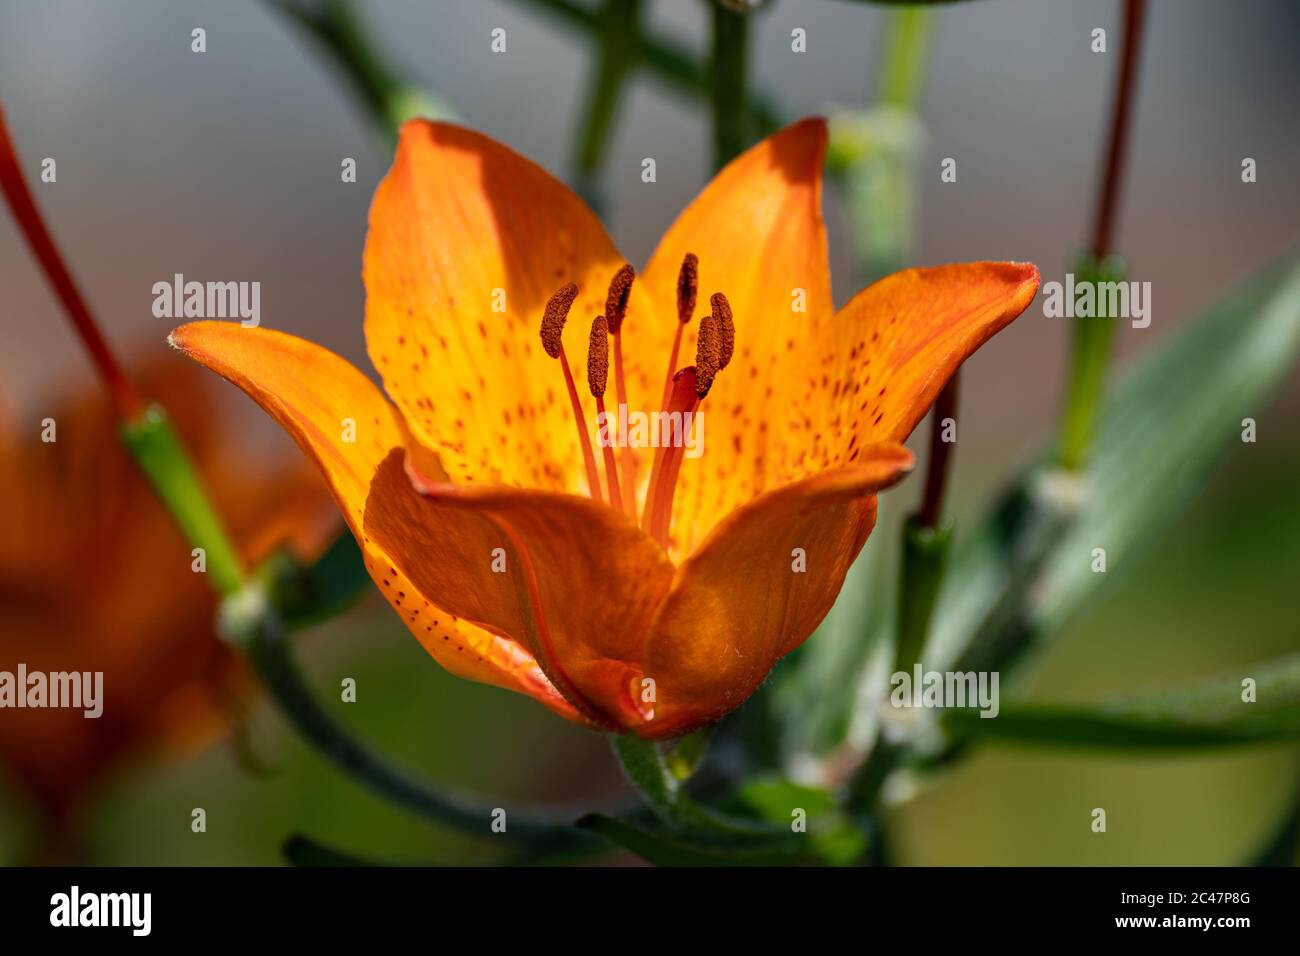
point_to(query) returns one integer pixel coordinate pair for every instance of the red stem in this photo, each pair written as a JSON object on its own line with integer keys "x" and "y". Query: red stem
{"x": 1103, "y": 229}
{"x": 126, "y": 400}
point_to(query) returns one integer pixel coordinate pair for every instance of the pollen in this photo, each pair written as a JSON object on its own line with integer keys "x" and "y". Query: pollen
{"x": 708, "y": 354}
{"x": 726, "y": 328}
{"x": 557, "y": 311}
{"x": 688, "y": 287}
{"x": 598, "y": 357}
{"x": 620, "y": 287}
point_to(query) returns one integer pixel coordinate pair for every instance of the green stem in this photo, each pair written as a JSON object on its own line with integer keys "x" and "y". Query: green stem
{"x": 925, "y": 555}
{"x": 249, "y": 621}
{"x": 1092, "y": 336}
{"x": 158, "y": 451}
{"x": 676, "y": 68}
{"x": 1089, "y": 359}
{"x": 728, "y": 89}
{"x": 387, "y": 97}
{"x": 617, "y": 33}
{"x": 905, "y": 57}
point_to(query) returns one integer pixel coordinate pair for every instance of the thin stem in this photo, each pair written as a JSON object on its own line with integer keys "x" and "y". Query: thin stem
{"x": 1090, "y": 357}
{"x": 387, "y": 97}
{"x": 249, "y": 621}
{"x": 126, "y": 401}
{"x": 160, "y": 455}
{"x": 678, "y": 70}
{"x": 146, "y": 433}
{"x": 936, "y": 476}
{"x": 728, "y": 88}
{"x": 617, "y": 30}
{"x": 1121, "y": 111}
{"x": 905, "y": 56}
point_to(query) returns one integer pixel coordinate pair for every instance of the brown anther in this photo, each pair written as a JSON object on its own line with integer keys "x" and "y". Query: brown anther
{"x": 726, "y": 328}
{"x": 620, "y": 287}
{"x": 557, "y": 311}
{"x": 688, "y": 287}
{"x": 598, "y": 357}
{"x": 708, "y": 355}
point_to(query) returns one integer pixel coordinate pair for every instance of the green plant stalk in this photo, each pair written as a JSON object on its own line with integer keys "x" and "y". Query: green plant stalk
{"x": 249, "y": 621}
{"x": 387, "y": 97}
{"x": 666, "y": 61}
{"x": 728, "y": 90}
{"x": 906, "y": 55}
{"x": 618, "y": 35}
{"x": 925, "y": 555}
{"x": 158, "y": 452}
{"x": 1090, "y": 358}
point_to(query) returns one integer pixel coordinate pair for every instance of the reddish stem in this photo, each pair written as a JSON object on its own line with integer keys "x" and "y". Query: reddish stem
{"x": 936, "y": 474}
{"x": 1121, "y": 110}
{"x": 126, "y": 400}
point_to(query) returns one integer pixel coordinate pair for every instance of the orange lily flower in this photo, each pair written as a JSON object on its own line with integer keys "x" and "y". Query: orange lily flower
{"x": 657, "y": 600}
{"x": 95, "y": 577}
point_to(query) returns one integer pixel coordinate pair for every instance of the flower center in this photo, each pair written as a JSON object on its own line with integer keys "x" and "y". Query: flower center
{"x": 684, "y": 389}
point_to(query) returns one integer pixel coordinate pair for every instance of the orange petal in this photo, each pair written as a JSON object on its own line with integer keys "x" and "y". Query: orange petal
{"x": 893, "y": 348}
{"x": 738, "y": 604}
{"x": 572, "y": 580}
{"x": 322, "y": 402}
{"x": 757, "y": 230}
{"x": 467, "y": 241}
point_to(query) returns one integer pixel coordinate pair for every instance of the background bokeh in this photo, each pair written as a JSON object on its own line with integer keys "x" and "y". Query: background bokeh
{"x": 225, "y": 165}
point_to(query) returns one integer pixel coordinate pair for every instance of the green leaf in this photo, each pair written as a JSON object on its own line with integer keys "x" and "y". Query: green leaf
{"x": 833, "y": 837}
{"x": 1166, "y": 426}
{"x": 306, "y": 595}
{"x": 1208, "y": 714}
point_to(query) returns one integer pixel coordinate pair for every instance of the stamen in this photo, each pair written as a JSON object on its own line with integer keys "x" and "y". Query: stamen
{"x": 620, "y": 289}
{"x": 553, "y": 319}
{"x": 726, "y": 327}
{"x": 688, "y": 287}
{"x": 597, "y": 379}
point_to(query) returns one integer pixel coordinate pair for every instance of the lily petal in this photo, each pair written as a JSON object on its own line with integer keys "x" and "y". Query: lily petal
{"x": 892, "y": 349}
{"x": 757, "y": 231}
{"x": 467, "y": 241}
{"x": 572, "y": 580}
{"x": 739, "y": 603}
{"x": 322, "y": 401}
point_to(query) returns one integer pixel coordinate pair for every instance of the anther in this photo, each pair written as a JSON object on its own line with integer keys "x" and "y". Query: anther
{"x": 688, "y": 287}
{"x": 557, "y": 311}
{"x": 598, "y": 357}
{"x": 726, "y": 327}
{"x": 620, "y": 287}
{"x": 708, "y": 354}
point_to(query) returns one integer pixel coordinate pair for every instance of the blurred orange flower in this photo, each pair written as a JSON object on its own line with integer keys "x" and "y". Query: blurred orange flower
{"x": 94, "y": 576}
{"x": 476, "y": 495}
